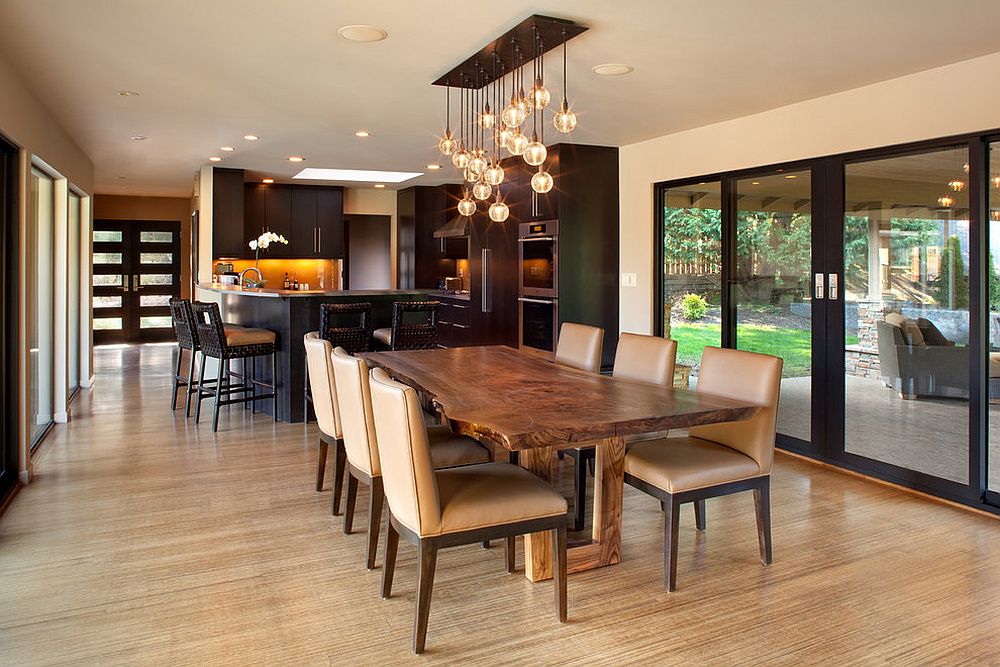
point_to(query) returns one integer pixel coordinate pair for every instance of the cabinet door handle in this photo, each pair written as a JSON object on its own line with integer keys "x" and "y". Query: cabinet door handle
{"x": 319, "y": 240}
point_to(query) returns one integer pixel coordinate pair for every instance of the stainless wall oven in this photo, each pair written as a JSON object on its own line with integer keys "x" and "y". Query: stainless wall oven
{"x": 538, "y": 255}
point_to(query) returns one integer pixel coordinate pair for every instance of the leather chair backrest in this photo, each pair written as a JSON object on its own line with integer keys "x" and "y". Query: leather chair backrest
{"x": 319, "y": 365}
{"x": 743, "y": 376}
{"x": 354, "y": 399}
{"x": 580, "y": 347}
{"x": 646, "y": 359}
{"x": 407, "y": 471}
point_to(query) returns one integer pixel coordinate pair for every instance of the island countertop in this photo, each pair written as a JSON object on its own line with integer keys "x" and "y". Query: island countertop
{"x": 282, "y": 293}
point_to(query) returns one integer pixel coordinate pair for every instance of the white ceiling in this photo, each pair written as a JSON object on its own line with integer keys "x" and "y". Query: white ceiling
{"x": 210, "y": 71}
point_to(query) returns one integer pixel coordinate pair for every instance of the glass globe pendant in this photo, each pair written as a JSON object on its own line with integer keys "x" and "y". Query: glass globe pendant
{"x": 523, "y": 103}
{"x": 487, "y": 119}
{"x": 513, "y": 115}
{"x": 447, "y": 145}
{"x": 539, "y": 95}
{"x": 460, "y": 158}
{"x": 518, "y": 142}
{"x": 504, "y": 136}
{"x": 535, "y": 152}
{"x": 470, "y": 176}
{"x": 466, "y": 206}
{"x": 564, "y": 119}
{"x": 477, "y": 164}
{"x": 482, "y": 190}
{"x": 498, "y": 210}
{"x": 541, "y": 182}
{"x": 494, "y": 174}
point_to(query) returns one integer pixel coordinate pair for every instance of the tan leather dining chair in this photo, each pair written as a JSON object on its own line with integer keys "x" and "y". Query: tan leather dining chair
{"x": 640, "y": 358}
{"x": 319, "y": 365}
{"x": 355, "y": 402}
{"x": 715, "y": 459}
{"x": 434, "y": 510}
{"x": 580, "y": 347}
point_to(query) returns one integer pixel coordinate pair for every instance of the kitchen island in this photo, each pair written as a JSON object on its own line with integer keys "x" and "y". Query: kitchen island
{"x": 291, "y": 314}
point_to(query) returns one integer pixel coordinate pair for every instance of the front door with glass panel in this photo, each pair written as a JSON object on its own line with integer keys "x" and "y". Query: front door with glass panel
{"x": 136, "y": 271}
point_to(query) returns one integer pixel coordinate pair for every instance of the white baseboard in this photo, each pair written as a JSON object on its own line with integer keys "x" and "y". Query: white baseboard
{"x": 60, "y": 417}
{"x": 87, "y": 383}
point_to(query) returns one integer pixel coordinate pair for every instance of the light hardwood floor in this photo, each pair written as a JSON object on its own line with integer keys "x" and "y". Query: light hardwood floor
{"x": 147, "y": 541}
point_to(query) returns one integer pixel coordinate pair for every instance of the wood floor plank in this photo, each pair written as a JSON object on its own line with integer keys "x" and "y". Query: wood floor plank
{"x": 145, "y": 540}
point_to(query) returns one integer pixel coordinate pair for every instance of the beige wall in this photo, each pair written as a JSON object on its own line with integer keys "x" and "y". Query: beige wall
{"x": 29, "y": 125}
{"x": 119, "y": 207}
{"x": 370, "y": 201}
{"x": 945, "y": 101}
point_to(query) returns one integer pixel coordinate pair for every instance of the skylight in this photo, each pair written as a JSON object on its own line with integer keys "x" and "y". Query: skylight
{"x": 317, "y": 174}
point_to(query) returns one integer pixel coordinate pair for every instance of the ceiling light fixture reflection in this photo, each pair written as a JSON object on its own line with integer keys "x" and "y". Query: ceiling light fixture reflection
{"x": 359, "y": 175}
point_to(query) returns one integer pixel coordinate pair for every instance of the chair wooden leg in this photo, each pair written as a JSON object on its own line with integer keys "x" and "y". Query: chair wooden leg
{"x": 559, "y": 570}
{"x": 177, "y": 374}
{"x": 321, "y": 464}
{"x": 671, "y": 521}
{"x": 191, "y": 385}
{"x": 509, "y": 554}
{"x": 376, "y": 496}
{"x": 339, "y": 463}
{"x": 389, "y": 567}
{"x": 425, "y": 585}
{"x": 762, "y": 505}
{"x": 699, "y": 514}
{"x": 352, "y": 496}
{"x": 579, "y": 490}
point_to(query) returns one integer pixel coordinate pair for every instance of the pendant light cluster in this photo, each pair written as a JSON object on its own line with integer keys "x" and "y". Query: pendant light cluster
{"x": 490, "y": 123}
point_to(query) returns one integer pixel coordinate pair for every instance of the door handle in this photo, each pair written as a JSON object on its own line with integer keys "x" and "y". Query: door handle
{"x": 832, "y": 280}
{"x": 525, "y": 299}
{"x": 819, "y": 291}
{"x": 135, "y": 282}
{"x": 487, "y": 306}
{"x": 125, "y": 283}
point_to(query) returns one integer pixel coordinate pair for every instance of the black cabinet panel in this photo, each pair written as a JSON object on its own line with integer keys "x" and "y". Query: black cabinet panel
{"x": 278, "y": 217}
{"x": 330, "y": 223}
{"x": 254, "y": 223}
{"x": 227, "y": 213}
{"x": 304, "y": 240}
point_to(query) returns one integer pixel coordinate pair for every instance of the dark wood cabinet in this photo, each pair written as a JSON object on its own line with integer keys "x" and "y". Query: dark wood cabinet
{"x": 311, "y": 218}
{"x": 454, "y": 321}
{"x": 227, "y": 214}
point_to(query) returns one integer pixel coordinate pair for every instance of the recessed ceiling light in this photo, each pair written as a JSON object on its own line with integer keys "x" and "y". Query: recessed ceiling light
{"x": 251, "y": 137}
{"x": 228, "y": 148}
{"x": 433, "y": 166}
{"x": 318, "y": 174}
{"x": 612, "y": 69}
{"x": 791, "y": 176}
{"x": 755, "y": 183}
{"x": 127, "y": 93}
{"x": 362, "y": 33}
{"x": 380, "y": 185}
{"x": 215, "y": 158}
{"x": 362, "y": 133}
{"x": 267, "y": 180}
{"x": 295, "y": 158}
{"x": 139, "y": 137}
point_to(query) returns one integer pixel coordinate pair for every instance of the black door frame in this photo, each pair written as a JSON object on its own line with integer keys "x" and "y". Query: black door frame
{"x": 828, "y": 192}
{"x": 9, "y": 342}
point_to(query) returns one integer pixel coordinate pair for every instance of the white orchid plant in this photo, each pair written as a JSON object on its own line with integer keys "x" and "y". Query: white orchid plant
{"x": 266, "y": 239}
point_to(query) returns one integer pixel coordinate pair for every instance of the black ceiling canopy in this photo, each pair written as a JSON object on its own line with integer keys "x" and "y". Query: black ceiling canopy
{"x": 478, "y": 70}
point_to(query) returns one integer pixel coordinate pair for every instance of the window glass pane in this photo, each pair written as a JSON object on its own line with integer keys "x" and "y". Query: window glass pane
{"x": 107, "y": 258}
{"x": 993, "y": 322}
{"x": 107, "y": 302}
{"x": 772, "y": 280}
{"x": 154, "y": 300}
{"x": 156, "y": 237}
{"x": 156, "y": 257}
{"x": 39, "y": 308}
{"x": 155, "y": 322}
{"x": 113, "y": 280}
{"x": 692, "y": 278}
{"x": 156, "y": 279}
{"x": 106, "y": 323}
{"x": 105, "y": 236}
{"x": 906, "y": 304}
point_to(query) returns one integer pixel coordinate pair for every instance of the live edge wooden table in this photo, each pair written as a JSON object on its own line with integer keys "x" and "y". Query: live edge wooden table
{"x": 534, "y": 407}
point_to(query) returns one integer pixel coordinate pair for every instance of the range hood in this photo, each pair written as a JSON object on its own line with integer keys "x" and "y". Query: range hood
{"x": 457, "y": 227}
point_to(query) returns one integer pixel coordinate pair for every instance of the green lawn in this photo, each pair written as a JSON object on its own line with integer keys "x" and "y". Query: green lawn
{"x": 792, "y": 345}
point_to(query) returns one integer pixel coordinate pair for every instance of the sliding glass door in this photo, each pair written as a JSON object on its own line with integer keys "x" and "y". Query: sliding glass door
{"x": 992, "y": 360}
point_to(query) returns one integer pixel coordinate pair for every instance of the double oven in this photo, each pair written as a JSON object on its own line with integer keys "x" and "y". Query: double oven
{"x": 538, "y": 286}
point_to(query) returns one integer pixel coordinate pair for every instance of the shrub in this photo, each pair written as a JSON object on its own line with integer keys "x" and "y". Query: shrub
{"x": 694, "y": 307}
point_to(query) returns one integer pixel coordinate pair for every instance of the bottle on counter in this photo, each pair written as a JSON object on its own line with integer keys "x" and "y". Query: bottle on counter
{"x": 295, "y": 282}
{"x": 286, "y": 284}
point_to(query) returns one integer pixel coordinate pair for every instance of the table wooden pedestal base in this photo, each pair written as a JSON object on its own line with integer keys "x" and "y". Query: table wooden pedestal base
{"x": 608, "y": 487}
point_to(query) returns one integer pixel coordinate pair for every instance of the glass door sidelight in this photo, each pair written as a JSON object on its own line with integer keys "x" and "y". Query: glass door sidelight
{"x": 992, "y": 327}
{"x": 136, "y": 272}
{"x": 771, "y": 280}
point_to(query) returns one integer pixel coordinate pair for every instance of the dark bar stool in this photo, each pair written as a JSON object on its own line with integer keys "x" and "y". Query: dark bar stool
{"x": 187, "y": 339}
{"x": 226, "y": 344}
{"x": 346, "y": 325}
{"x": 414, "y": 326}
